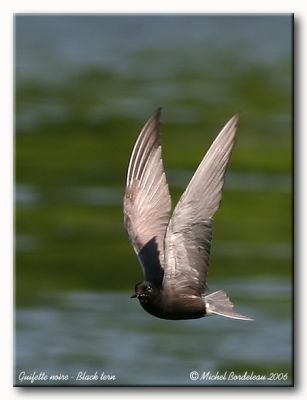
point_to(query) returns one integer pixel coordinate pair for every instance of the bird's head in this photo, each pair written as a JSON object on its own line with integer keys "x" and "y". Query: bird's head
{"x": 143, "y": 291}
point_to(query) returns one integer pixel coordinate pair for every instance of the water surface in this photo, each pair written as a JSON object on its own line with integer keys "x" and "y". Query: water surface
{"x": 110, "y": 333}
{"x": 84, "y": 87}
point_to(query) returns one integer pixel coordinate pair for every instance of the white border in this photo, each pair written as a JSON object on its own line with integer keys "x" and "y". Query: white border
{"x": 7, "y": 9}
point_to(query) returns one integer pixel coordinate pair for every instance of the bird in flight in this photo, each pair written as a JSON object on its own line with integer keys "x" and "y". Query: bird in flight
{"x": 174, "y": 250}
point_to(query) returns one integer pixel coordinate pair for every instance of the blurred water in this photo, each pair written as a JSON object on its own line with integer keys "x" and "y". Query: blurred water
{"x": 110, "y": 333}
{"x": 26, "y": 195}
{"x": 167, "y": 58}
{"x": 76, "y": 42}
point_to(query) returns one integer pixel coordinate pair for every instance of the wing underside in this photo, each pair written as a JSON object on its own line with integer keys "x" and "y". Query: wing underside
{"x": 189, "y": 233}
{"x": 147, "y": 201}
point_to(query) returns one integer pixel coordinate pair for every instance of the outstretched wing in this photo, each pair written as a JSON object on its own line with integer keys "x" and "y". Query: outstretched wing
{"x": 189, "y": 233}
{"x": 147, "y": 202}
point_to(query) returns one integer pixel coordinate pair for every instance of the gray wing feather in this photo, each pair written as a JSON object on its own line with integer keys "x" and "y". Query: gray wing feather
{"x": 189, "y": 233}
{"x": 147, "y": 202}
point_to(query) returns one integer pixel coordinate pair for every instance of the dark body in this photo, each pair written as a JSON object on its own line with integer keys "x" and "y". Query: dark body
{"x": 170, "y": 305}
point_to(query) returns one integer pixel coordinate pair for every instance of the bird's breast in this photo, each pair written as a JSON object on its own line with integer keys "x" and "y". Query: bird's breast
{"x": 175, "y": 307}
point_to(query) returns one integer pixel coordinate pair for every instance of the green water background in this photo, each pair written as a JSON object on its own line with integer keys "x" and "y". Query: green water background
{"x": 84, "y": 86}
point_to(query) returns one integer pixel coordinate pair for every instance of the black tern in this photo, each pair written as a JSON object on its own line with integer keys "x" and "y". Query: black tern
{"x": 174, "y": 252}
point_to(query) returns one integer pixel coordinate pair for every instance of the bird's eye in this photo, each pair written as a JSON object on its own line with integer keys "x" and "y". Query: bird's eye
{"x": 149, "y": 289}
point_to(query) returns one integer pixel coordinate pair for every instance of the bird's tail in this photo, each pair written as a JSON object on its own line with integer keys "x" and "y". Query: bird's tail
{"x": 219, "y": 303}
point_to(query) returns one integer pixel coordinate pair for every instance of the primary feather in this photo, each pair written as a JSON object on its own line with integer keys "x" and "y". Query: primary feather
{"x": 147, "y": 202}
{"x": 189, "y": 233}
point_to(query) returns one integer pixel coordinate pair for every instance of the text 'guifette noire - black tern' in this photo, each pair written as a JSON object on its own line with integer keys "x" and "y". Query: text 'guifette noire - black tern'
{"x": 174, "y": 252}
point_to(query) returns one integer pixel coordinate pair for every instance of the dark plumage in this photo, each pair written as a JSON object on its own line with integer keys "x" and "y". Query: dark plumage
{"x": 174, "y": 252}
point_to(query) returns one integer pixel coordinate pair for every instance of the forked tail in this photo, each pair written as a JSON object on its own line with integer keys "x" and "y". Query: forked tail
{"x": 219, "y": 303}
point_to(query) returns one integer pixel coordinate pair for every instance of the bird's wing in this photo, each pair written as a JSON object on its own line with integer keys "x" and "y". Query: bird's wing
{"x": 147, "y": 202}
{"x": 189, "y": 233}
